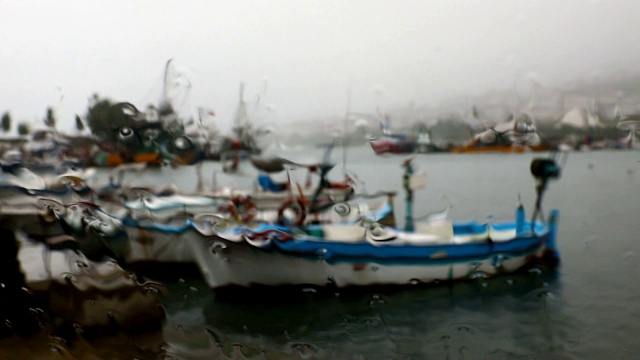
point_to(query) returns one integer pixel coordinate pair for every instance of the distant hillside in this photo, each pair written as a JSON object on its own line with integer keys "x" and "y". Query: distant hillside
{"x": 548, "y": 105}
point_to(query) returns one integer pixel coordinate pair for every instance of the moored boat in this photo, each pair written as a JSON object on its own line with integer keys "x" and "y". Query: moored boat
{"x": 372, "y": 251}
{"x": 394, "y": 144}
{"x": 275, "y": 256}
{"x": 515, "y": 136}
{"x": 390, "y": 142}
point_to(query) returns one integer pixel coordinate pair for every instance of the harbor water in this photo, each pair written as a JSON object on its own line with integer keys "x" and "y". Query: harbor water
{"x": 587, "y": 308}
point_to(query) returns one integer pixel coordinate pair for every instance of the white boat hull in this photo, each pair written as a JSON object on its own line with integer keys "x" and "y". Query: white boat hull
{"x": 227, "y": 263}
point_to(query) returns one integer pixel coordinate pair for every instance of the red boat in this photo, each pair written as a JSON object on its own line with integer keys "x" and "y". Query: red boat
{"x": 394, "y": 144}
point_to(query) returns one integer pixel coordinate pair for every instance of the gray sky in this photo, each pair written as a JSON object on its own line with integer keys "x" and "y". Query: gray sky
{"x": 308, "y": 53}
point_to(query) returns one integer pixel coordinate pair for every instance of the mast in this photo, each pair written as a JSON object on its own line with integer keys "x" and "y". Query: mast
{"x": 406, "y": 183}
{"x": 165, "y": 91}
{"x": 344, "y": 131}
{"x": 240, "y": 121}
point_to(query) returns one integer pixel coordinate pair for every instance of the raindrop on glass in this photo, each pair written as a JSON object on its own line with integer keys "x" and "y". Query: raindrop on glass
{"x": 535, "y": 271}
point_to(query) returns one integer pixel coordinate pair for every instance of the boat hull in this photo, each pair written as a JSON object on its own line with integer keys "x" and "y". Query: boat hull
{"x": 499, "y": 148}
{"x": 226, "y": 263}
{"x": 393, "y": 146}
{"x": 149, "y": 246}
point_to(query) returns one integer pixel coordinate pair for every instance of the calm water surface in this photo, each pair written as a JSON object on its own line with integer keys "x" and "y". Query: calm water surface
{"x": 589, "y": 308}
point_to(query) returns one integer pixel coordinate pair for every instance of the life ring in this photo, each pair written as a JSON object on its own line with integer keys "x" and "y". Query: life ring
{"x": 297, "y": 206}
{"x": 246, "y": 206}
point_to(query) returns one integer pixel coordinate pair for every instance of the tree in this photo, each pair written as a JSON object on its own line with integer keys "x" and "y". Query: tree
{"x": 50, "y": 119}
{"x": 24, "y": 128}
{"x": 79, "y": 124}
{"x": 104, "y": 118}
{"x": 6, "y": 122}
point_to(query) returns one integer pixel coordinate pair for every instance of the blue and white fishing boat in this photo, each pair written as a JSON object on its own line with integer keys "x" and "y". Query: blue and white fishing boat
{"x": 373, "y": 251}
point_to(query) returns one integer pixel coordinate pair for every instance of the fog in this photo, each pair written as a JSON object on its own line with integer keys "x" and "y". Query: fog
{"x": 305, "y": 59}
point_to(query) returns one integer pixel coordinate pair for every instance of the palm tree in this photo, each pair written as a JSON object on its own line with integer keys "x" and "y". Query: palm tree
{"x": 6, "y": 122}
{"x": 79, "y": 124}
{"x": 24, "y": 128}
{"x": 50, "y": 119}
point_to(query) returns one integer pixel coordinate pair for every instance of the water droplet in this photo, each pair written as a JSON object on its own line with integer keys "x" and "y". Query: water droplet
{"x": 375, "y": 268}
{"x": 376, "y": 299}
{"x": 309, "y": 290}
{"x": 218, "y": 245}
{"x": 151, "y": 289}
{"x": 193, "y": 289}
{"x": 535, "y": 271}
{"x": 477, "y": 275}
{"x": 543, "y": 293}
{"x": 497, "y": 261}
{"x": 414, "y": 281}
{"x": 629, "y": 256}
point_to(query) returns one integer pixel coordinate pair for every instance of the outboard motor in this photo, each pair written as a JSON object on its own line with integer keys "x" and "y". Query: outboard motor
{"x": 542, "y": 170}
{"x": 545, "y": 169}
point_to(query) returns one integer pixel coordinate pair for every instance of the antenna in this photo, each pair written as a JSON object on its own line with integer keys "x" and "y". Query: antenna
{"x": 344, "y": 132}
{"x": 165, "y": 91}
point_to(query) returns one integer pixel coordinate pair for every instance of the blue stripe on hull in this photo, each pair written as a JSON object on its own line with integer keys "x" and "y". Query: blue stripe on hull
{"x": 332, "y": 251}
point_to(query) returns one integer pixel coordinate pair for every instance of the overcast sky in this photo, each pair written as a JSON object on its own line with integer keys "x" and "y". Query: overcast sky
{"x": 304, "y": 55}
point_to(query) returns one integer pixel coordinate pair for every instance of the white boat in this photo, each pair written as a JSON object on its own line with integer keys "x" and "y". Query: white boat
{"x": 370, "y": 252}
{"x": 353, "y": 255}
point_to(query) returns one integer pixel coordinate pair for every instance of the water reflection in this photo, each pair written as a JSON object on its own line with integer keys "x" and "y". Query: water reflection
{"x": 184, "y": 319}
{"x": 445, "y": 321}
{"x": 74, "y": 307}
